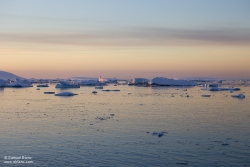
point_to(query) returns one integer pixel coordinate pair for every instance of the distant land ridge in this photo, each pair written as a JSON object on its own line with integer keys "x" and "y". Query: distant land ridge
{"x": 6, "y": 75}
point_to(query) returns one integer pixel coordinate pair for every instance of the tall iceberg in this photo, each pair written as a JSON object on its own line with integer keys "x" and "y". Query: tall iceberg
{"x": 107, "y": 80}
{"x": 139, "y": 81}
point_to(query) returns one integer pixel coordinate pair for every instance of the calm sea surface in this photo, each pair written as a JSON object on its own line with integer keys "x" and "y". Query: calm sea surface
{"x": 115, "y": 128}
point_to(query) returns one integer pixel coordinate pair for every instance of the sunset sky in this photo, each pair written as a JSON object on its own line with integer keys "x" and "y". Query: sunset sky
{"x": 125, "y": 38}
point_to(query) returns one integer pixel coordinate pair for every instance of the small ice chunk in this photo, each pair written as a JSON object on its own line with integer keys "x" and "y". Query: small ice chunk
{"x": 206, "y": 95}
{"x": 240, "y": 96}
{"x": 116, "y": 90}
{"x": 155, "y": 133}
{"x": 49, "y": 92}
{"x": 94, "y": 92}
{"x": 182, "y": 163}
{"x": 160, "y": 134}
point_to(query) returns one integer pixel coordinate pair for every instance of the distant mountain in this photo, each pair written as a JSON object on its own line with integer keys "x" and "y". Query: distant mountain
{"x": 83, "y": 78}
{"x": 6, "y": 75}
{"x": 200, "y": 78}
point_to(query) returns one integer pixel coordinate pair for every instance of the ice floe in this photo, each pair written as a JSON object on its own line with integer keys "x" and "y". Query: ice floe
{"x": 65, "y": 94}
{"x": 49, "y": 92}
{"x": 240, "y": 96}
{"x": 206, "y": 95}
{"x": 159, "y": 134}
{"x": 221, "y": 89}
{"x": 115, "y": 90}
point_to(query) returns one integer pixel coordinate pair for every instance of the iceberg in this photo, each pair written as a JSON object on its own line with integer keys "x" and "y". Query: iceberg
{"x": 161, "y": 81}
{"x": 212, "y": 85}
{"x": 139, "y": 81}
{"x": 67, "y": 84}
{"x": 91, "y": 83}
{"x": 2, "y": 83}
{"x": 43, "y": 85}
{"x": 107, "y": 80}
{"x": 18, "y": 83}
{"x": 10, "y": 80}
{"x": 65, "y": 94}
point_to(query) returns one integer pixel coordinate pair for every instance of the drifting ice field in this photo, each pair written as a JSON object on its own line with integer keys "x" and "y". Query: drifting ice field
{"x": 121, "y": 128}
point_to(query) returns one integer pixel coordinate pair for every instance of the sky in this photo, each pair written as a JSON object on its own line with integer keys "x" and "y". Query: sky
{"x": 125, "y": 38}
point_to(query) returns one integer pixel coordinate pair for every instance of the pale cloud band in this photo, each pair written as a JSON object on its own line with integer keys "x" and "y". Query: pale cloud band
{"x": 142, "y": 36}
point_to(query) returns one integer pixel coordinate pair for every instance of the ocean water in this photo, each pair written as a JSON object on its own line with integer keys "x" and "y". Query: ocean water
{"x": 115, "y": 128}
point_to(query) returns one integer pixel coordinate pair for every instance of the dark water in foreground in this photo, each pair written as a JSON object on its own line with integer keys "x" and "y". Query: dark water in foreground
{"x": 115, "y": 128}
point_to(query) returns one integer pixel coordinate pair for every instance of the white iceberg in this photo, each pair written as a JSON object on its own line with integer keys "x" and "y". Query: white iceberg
{"x": 139, "y": 81}
{"x": 67, "y": 84}
{"x": 161, "y": 81}
{"x": 18, "y": 83}
{"x": 107, "y": 80}
{"x": 10, "y": 80}
{"x": 65, "y": 94}
{"x": 91, "y": 83}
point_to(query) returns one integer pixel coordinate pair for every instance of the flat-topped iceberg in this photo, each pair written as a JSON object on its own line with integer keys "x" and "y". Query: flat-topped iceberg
{"x": 67, "y": 84}
{"x": 161, "y": 81}
{"x": 91, "y": 83}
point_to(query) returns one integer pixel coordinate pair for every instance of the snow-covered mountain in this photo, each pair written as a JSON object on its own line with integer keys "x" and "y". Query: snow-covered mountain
{"x": 6, "y": 75}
